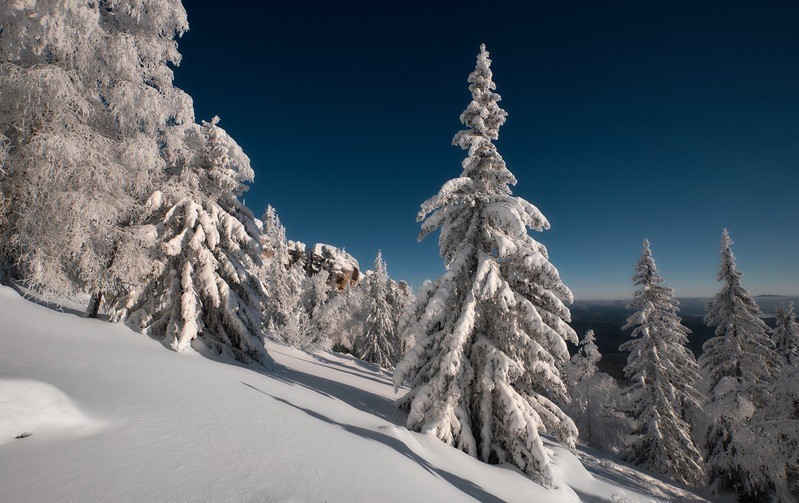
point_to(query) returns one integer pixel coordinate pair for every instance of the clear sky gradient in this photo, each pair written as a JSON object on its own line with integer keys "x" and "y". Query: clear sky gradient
{"x": 626, "y": 120}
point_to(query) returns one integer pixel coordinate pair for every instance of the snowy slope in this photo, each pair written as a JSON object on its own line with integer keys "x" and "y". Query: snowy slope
{"x": 114, "y": 416}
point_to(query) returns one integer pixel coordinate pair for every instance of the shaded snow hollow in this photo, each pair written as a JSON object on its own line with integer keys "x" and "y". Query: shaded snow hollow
{"x": 114, "y": 416}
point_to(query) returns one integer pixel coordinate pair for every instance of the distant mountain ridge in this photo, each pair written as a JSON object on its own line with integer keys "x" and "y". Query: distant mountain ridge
{"x": 606, "y": 317}
{"x": 694, "y": 306}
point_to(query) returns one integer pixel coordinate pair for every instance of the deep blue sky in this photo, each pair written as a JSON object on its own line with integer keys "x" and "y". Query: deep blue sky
{"x": 626, "y": 120}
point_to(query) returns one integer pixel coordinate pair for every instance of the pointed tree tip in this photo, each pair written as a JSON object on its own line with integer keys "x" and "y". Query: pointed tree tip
{"x": 726, "y": 240}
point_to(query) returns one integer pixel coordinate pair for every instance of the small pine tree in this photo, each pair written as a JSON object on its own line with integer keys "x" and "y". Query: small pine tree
{"x": 663, "y": 373}
{"x": 316, "y": 291}
{"x": 786, "y": 334}
{"x": 736, "y": 365}
{"x": 378, "y": 343}
{"x": 283, "y": 283}
{"x": 584, "y": 362}
{"x": 594, "y": 397}
{"x": 205, "y": 280}
{"x": 400, "y": 296}
{"x": 491, "y": 332}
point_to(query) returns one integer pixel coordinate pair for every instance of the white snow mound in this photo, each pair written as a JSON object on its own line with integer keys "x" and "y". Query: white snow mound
{"x": 29, "y": 407}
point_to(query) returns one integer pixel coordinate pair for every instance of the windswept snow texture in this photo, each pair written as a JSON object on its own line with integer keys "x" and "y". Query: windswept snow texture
{"x": 156, "y": 425}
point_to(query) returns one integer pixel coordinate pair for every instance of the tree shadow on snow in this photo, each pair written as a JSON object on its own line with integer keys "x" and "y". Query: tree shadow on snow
{"x": 371, "y": 367}
{"x": 365, "y": 401}
{"x": 467, "y": 487}
{"x": 632, "y": 477}
{"x": 343, "y": 368}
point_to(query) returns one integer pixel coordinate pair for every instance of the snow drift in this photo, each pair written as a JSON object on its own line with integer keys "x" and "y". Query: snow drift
{"x": 183, "y": 427}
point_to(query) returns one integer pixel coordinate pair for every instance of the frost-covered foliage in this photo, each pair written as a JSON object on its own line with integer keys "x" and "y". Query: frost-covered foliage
{"x": 786, "y": 334}
{"x": 594, "y": 400}
{"x": 737, "y": 366}
{"x": 89, "y": 120}
{"x": 283, "y": 284}
{"x": 343, "y": 316}
{"x": 378, "y": 344}
{"x": 294, "y": 313}
{"x": 205, "y": 279}
{"x": 491, "y": 332}
{"x": 584, "y": 363}
{"x": 315, "y": 292}
{"x": 400, "y": 297}
{"x": 663, "y": 373}
{"x": 768, "y": 443}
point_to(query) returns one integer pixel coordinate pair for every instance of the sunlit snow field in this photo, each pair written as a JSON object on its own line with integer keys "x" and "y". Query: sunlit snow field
{"x": 112, "y": 415}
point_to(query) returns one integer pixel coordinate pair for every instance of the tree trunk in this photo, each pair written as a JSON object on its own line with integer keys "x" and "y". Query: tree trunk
{"x": 94, "y": 305}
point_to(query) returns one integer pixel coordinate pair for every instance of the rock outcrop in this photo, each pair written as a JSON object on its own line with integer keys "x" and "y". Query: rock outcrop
{"x": 342, "y": 267}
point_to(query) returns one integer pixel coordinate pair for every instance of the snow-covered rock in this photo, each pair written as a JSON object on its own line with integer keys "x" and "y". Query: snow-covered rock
{"x": 343, "y": 267}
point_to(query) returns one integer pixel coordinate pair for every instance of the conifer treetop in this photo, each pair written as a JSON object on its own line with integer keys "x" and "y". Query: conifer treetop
{"x": 741, "y": 347}
{"x": 786, "y": 334}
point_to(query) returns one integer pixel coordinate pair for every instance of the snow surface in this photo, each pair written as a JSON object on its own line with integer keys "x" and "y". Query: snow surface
{"x": 114, "y": 416}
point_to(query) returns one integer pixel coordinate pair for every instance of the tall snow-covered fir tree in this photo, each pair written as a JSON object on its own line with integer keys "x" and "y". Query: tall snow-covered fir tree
{"x": 90, "y": 121}
{"x": 205, "y": 280}
{"x": 378, "y": 344}
{"x": 737, "y": 365}
{"x": 491, "y": 332}
{"x": 663, "y": 375}
{"x": 786, "y": 334}
{"x": 594, "y": 400}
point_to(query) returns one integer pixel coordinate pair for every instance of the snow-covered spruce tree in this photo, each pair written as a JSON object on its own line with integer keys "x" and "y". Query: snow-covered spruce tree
{"x": 282, "y": 281}
{"x": 663, "y": 373}
{"x": 378, "y": 344}
{"x": 90, "y": 119}
{"x": 594, "y": 397}
{"x": 492, "y": 330}
{"x": 205, "y": 282}
{"x": 741, "y": 347}
{"x": 786, "y": 334}
{"x": 737, "y": 365}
